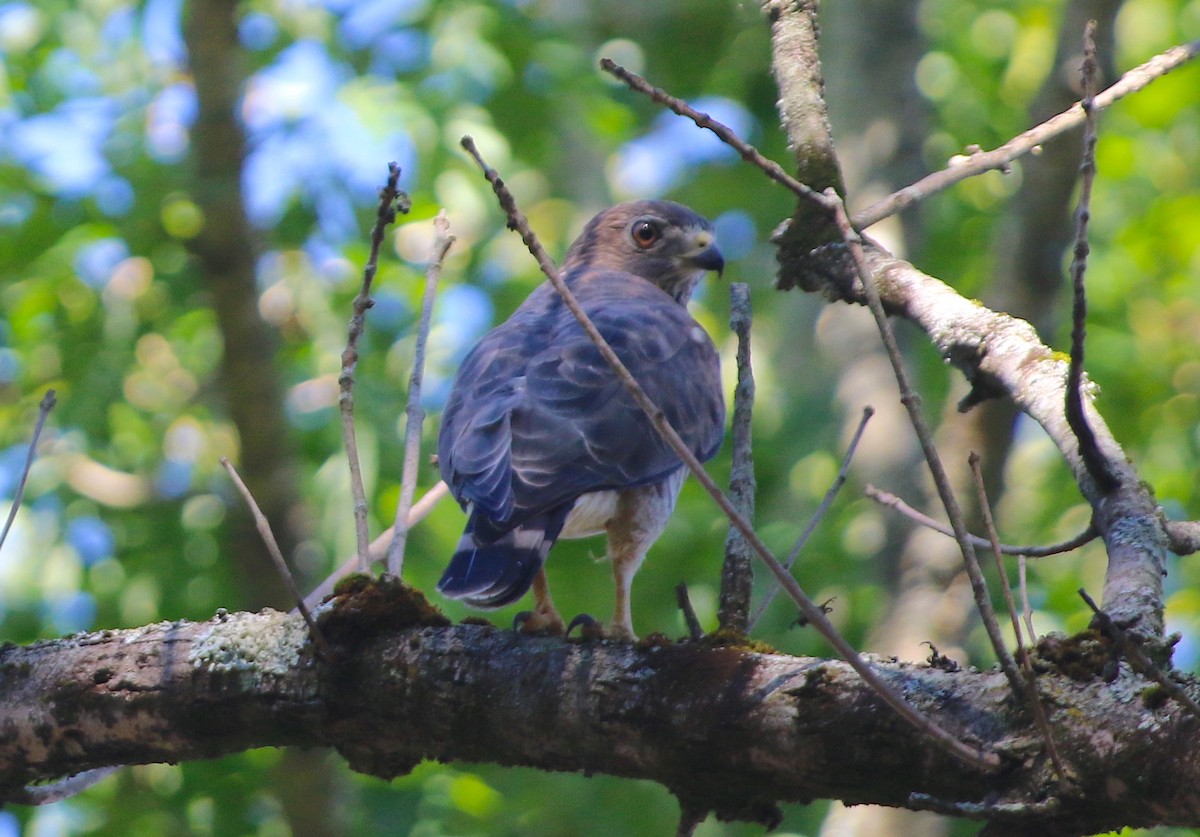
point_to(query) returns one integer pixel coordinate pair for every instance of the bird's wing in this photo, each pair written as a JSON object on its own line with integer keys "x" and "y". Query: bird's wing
{"x": 538, "y": 417}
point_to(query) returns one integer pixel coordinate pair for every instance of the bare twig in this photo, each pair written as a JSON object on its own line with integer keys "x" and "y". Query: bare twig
{"x": 44, "y": 408}
{"x": 984, "y": 161}
{"x": 1026, "y": 608}
{"x": 695, "y": 631}
{"x": 1138, "y": 658}
{"x": 885, "y": 498}
{"x": 415, "y": 415}
{"x": 748, "y": 152}
{"x": 516, "y": 221}
{"x": 391, "y": 199}
{"x": 1030, "y": 684}
{"x": 978, "y": 163}
{"x": 264, "y": 531}
{"x": 819, "y": 514}
{"x": 378, "y": 548}
{"x": 737, "y": 573}
{"x": 1089, "y": 451}
{"x": 993, "y": 810}
{"x": 912, "y": 403}
{"x": 62, "y": 789}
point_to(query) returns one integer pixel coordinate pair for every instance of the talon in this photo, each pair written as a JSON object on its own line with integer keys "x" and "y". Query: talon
{"x": 589, "y": 629}
{"x": 536, "y": 623}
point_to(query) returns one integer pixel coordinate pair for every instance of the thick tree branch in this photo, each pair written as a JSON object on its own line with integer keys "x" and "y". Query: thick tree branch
{"x": 724, "y": 728}
{"x": 1002, "y": 355}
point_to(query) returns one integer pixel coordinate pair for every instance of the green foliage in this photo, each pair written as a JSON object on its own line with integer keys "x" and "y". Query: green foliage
{"x": 101, "y": 299}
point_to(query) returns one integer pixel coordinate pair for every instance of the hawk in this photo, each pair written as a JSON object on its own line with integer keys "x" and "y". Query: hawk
{"x": 541, "y": 441}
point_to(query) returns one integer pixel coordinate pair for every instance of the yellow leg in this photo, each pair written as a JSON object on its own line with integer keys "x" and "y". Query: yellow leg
{"x": 640, "y": 517}
{"x": 625, "y": 566}
{"x": 545, "y": 618}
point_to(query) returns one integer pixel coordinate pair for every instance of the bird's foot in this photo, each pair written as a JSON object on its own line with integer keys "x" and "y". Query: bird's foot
{"x": 539, "y": 623}
{"x": 591, "y": 630}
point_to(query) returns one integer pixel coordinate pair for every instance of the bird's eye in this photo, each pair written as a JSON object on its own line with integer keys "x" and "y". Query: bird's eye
{"x": 646, "y": 233}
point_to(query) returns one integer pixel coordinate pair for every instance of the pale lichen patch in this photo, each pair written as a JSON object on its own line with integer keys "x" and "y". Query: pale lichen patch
{"x": 268, "y": 641}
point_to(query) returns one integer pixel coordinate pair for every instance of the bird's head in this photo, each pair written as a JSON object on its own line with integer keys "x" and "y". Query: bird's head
{"x": 663, "y": 242}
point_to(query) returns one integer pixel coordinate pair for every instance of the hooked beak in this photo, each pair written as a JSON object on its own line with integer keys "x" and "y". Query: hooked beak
{"x": 707, "y": 255}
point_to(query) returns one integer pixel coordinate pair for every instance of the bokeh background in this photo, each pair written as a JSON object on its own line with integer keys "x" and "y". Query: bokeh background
{"x": 185, "y": 195}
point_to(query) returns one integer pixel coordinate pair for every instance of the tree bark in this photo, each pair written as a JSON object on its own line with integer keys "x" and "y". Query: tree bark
{"x": 727, "y": 729}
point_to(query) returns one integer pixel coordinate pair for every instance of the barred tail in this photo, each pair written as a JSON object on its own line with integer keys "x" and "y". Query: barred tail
{"x": 499, "y": 570}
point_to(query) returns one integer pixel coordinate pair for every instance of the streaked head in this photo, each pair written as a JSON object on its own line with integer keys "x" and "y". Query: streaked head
{"x": 664, "y": 242}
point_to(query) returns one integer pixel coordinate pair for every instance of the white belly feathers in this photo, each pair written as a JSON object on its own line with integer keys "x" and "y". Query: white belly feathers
{"x": 590, "y": 515}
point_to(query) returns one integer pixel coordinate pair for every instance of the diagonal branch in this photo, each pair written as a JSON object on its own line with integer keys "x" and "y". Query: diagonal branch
{"x": 832, "y": 203}
{"x": 886, "y": 498}
{"x": 264, "y": 531}
{"x": 985, "y": 161}
{"x": 941, "y": 480}
{"x": 377, "y": 550}
{"x": 1031, "y": 690}
{"x": 817, "y": 516}
{"x": 44, "y": 408}
{"x": 815, "y": 615}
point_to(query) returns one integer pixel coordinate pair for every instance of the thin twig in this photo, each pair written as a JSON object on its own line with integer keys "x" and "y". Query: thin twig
{"x": 984, "y": 161}
{"x": 65, "y": 788}
{"x": 390, "y": 199}
{"x": 748, "y": 152}
{"x": 378, "y": 548}
{"x": 1030, "y": 689}
{"x": 264, "y": 531}
{"x": 1137, "y": 657}
{"x": 978, "y": 163}
{"x": 886, "y": 498}
{"x": 933, "y": 460}
{"x": 1019, "y": 811}
{"x": 415, "y": 414}
{"x": 1026, "y": 608}
{"x": 516, "y": 221}
{"x": 1094, "y": 460}
{"x": 819, "y": 514}
{"x": 44, "y": 408}
{"x": 737, "y": 572}
{"x": 684, "y": 601}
